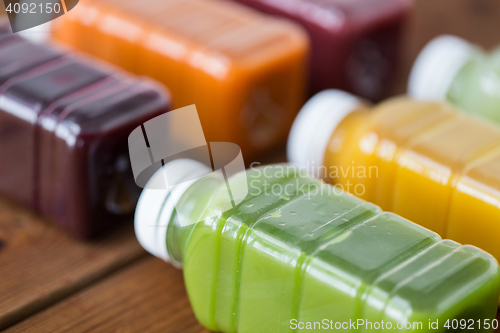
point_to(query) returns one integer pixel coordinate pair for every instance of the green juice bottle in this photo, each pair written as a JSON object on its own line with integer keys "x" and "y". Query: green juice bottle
{"x": 297, "y": 255}
{"x": 450, "y": 68}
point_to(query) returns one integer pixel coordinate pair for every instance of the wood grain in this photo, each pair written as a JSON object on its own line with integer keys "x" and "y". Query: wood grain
{"x": 146, "y": 297}
{"x": 40, "y": 265}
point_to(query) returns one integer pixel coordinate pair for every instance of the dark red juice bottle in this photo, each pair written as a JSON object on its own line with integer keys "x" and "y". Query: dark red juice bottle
{"x": 22, "y": 99}
{"x": 6, "y": 34}
{"x": 64, "y": 124}
{"x": 95, "y": 186}
{"x": 21, "y": 55}
{"x": 47, "y": 125}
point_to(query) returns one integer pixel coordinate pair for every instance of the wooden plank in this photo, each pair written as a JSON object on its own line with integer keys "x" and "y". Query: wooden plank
{"x": 40, "y": 265}
{"x": 146, "y": 297}
{"x": 475, "y": 20}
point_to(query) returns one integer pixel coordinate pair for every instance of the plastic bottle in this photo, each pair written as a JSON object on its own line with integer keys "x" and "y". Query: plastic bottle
{"x": 246, "y": 72}
{"x": 422, "y": 160}
{"x": 451, "y": 69}
{"x": 64, "y": 123}
{"x": 296, "y": 251}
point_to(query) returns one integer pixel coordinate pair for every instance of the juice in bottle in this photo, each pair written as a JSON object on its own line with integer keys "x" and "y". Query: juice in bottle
{"x": 64, "y": 123}
{"x": 452, "y": 69}
{"x": 20, "y": 55}
{"x": 297, "y": 253}
{"x": 422, "y": 160}
{"x": 245, "y": 71}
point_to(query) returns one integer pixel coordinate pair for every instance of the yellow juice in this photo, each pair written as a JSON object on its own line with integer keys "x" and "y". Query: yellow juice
{"x": 422, "y": 160}
{"x": 475, "y": 205}
{"x": 429, "y": 166}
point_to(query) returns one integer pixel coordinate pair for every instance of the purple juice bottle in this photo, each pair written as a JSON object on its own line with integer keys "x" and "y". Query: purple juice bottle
{"x": 91, "y": 177}
{"x": 64, "y": 123}
{"x": 22, "y": 99}
{"x": 19, "y": 56}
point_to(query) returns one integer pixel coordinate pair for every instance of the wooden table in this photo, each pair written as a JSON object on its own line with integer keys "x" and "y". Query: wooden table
{"x": 52, "y": 283}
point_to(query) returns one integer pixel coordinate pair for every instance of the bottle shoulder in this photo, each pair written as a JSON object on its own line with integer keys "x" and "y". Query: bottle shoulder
{"x": 476, "y": 88}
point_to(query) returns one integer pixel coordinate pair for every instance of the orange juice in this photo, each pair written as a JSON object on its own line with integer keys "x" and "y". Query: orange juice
{"x": 244, "y": 71}
{"x": 422, "y": 160}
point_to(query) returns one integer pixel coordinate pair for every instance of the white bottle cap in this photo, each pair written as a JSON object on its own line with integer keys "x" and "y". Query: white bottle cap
{"x": 315, "y": 124}
{"x": 437, "y": 66}
{"x": 156, "y": 206}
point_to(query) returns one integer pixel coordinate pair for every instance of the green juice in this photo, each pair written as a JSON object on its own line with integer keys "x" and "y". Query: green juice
{"x": 296, "y": 252}
{"x": 451, "y": 69}
{"x": 476, "y": 88}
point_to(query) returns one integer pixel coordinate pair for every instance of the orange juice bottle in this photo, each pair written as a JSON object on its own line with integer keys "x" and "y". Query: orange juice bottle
{"x": 422, "y": 160}
{"x": 244, "y": 71}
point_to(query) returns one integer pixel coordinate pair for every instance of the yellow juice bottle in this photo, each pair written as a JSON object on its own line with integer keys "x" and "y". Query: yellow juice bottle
{"x": 422, "y": 160}
{"x": 475, "y": 204}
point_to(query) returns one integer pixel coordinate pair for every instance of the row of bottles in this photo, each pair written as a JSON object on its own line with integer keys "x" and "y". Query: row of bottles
{"x": 424, "y": 160}
{"x": 294, "y": 248}
{"x": 253, "y": 80}
{"x": 298, "y": 251}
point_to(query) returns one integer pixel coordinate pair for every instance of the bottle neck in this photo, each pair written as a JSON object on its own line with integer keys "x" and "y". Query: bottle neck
{"x": 163, "y": 201}
{"x": 343, "y": 142}
{"x": 193, "y": 207}
{"x": 437, "y": 66}
{"x": 312, "y": 129}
